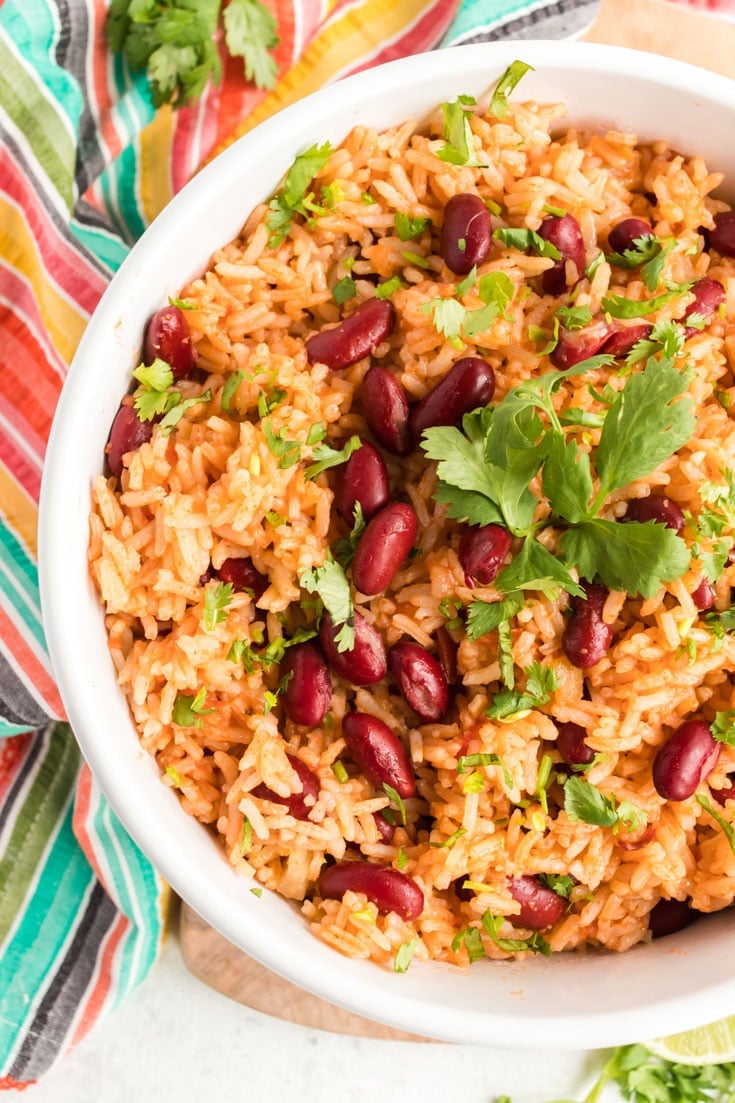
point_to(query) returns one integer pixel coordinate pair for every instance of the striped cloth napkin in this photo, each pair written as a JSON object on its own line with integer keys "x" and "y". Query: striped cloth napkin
{"x": 85, "y": 165}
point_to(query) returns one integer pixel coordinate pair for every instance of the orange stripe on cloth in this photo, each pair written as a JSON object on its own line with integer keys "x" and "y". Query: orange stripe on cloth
{"x": 27, "y": 665}
{"x": 64, "y": 321}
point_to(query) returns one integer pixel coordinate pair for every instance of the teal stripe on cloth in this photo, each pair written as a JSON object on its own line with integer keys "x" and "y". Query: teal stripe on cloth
{"x": 19, "y": 583}
{"x": 105, "y": 246}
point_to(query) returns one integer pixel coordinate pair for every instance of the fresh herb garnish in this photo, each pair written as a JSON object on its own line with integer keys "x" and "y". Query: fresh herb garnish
{"x": 498, "y": 106}
{"x": 458, "y": 148}
{"x": 344, "y": 289}
{"x": 451, "y": 840}
{"x": 727, "y": 827}
{"x": 230, "y": 388}
{"x": 484, "y": 758}
{"x": 505, "y": 655}
{"x": 666, "y": 337}
{"x": 617, "y": 306}
{"x": 154, "y": 396}
{"x": 340, "y": 771}
{"x": 246, "y": 842}
{"x": 216, "y": 602}
{"x": 397, "y": 800}
{"x": 289, "y": 200}
{"x": 189, "y": 710}
{"x": 723, "y": 727}
{"x": 536, "y": 943}
{"x": 574, "y": 317}
{"x": 584, "y": 802}
{"x": 404, "y": 955}
{"x": 471, "y": 939}
{"x": 175, "y": 42}
{"x": 176, "y": 411}
{"x": 325, "y": 457}
{"x": 389, "y": 287}
{"x": 344, "y": 549}
{"x": 409, "y": 228}
{"x": 541, "y": 683}
{"x": 330, "y": 583}
{"x": 522, "y": 239}
{"x": 560, "y": 883}
{"x": 287, "y": 451}
{"x": 648, "y": 253}
{"x": 484, "y": 616}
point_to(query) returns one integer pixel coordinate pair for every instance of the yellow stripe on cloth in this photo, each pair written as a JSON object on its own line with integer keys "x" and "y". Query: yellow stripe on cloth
{"x": 18, "y": 248}
{"x": 345, "y": 41}
{"x": 155, "y": 163}
{"x": 19, "y": 510}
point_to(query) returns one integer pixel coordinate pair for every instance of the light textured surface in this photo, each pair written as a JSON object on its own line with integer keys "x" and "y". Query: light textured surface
{"x": 175, "y": 1039}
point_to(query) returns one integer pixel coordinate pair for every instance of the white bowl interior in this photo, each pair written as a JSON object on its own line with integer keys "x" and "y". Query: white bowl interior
{"x": 570, "y": 1001}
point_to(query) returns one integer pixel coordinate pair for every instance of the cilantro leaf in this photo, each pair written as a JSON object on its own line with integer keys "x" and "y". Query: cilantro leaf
{"x": 644, "y": 426}
{"x": 584, "y": 802}
{"x": 574, "y": 317}
{"x": 723, "y": 727}
{"x": 471, "y": 939}
{"x": 535, "y": 568}
{"x": 216, "y": 602}
{"x": 633, "y": 557}
{"x": 505, "y": 655}
{"x": 289, "y": 200}
{"x": 344, "y": 289}
{"x": 451, "y": 840}
{"x": 468, "y": 505}
{"x": 666, "y": 337}
{"x": 566, "y": 478}
{"x": 189, "y": 710}
{"x": 230, "y": 389}
{"x": 644, "y": 248}
{"x": 325, "y": 457}
{"x": 157, "y": 376}
{"x": 498, "y": 106}
{"x": 175, "y": 412}
{"x": 617, "y": 306}
{"x": 447, "y": 316}
{"x": 409, "y": 228}
{"x": 726, "y": 826}
{"x": 541, "y": 683}
{"x": 458, "y": 148}
{"x": 496, "y": 289}
{"x": 395, "y": 798}
{"x": 522, "y": 239}
{"x": 560, "y": 883}
{"x": 460, "y": 462}
{"x": 404, "y": 955}
{"x": 536, "y": 943}
{"x": 251, "y": 31}
{"x": 344, "y": 549}
{"x": 287, "y": 451}
{"x": 330, "y": 583}
{"x": 388, "y": 287}
{"x": 484, "y": 616}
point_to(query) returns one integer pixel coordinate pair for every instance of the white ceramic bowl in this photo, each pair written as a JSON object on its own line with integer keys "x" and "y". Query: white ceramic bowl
{"x": 572, "y": 1000}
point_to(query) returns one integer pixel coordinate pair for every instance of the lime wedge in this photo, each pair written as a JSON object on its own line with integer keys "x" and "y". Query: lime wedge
{"x": 706, "y": 1045}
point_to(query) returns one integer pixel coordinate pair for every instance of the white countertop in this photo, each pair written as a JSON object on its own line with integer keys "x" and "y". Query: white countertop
{"x": 175, "y": 1039}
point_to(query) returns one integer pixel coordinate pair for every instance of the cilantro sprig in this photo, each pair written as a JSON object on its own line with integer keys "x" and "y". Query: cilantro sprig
{"x": 175, "y": 42}
{"x": 541, "y": 684}
{"x": 584, "y": 802}
{"x": 330, "y": 583}
{"x": 291, "y": 199}
{"x": 458, "y": 148}
{"x": 498, "y": 106}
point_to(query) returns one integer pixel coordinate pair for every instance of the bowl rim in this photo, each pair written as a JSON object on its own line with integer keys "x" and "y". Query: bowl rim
{"x": 409, "y": 1004}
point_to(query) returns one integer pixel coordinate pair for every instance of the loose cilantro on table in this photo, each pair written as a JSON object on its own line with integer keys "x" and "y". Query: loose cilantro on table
{"x": 458, "y": 148}
{"x": 330, "y": 583}
{"x": 584, "y": 802}
{"x": 175, "y": 42}
{"x": 290, "y": 199}
{"x": 498, "y": 106}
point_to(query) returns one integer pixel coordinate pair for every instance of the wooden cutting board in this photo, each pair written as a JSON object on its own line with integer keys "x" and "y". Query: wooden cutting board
{"x": 660, "y": 27}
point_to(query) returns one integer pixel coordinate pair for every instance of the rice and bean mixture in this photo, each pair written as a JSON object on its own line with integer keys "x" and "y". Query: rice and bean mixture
{"x": 415, "y": 543}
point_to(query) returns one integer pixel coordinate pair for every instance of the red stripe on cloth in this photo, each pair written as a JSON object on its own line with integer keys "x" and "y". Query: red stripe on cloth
{"x": 13, "y": 751}
{"x": 95, "y": 1003}
{"x": 6, "y": 1082}
{"x": 63, "y": 262}
{"x": 422, "y": 35}
{"x": 82, "y": 802}
{"x": 29, "y": 386}
{"x": 35, "y": 674}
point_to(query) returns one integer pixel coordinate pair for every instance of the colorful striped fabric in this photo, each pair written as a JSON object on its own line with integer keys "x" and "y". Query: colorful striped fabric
{"x": 85, "y": 165}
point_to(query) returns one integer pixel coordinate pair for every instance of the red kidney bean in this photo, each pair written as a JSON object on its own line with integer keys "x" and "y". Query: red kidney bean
{"x": 447, "y": 655}
{"x": 723, "y": 795}
{"x": 385, "y": 407}
{"x": 704, "y": 595}
{"x": 308, "y": 694}
{"x": 378, "y": 752}
{"x": 463, "y": 894}
{"x": 363, "y": 479}
{"x": 577, "y": 345}
{"x": 481, "y": 553}
{"x": 656, "y": 507}
{"x": 296, "y": 802}
{"x": 469, "y": 384}
{"x": 466, "y": 234}
{"x": 168, "y": 336}
{"x": 127, "y": 434}
{"x": 420, "y": 679}
{"x": 243, "y": 576}
{"x": 541, "y": 907}
{"x": 586, "y": 637}
{"x": 669, "y": 916}
{"x": 572, "y": 746}
{"x": 708, "y": 296}
{"x": 383, "y": 547}
{"x": 389, "y": 889}
{"x": 722, "y": 236}
{"x": 563, "y": 232}
{"x": 621, "y": 341}
{"x": 689, "y": 756}
{"x": 385, "y": 830}
{"x": 355, "y": 337}
{"x": 363, "y": 665}
{"x": 622, "y": 236}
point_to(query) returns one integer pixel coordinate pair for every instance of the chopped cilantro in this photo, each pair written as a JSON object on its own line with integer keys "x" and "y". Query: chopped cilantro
{"x": 471, "y": 939}
{"x": 287, "y": 451}
{"x": 458, "y": 148}
{"x": 574, "y": 317}
{"x": 409, "y": 228}
{"x": 522, "y": 239}
{"x": 404, "y": 955}
{"x": 475, "y": 783}
{"x": 340, "y": 771}
{"x": 289, "y": 200}
{"x": 230, "y": 388}
{"x": 584, "y": 802}
{"x": 451, "y": 840}
{"x": 726, "y": 826}
{"x": 498, "y": 106}
{"x": 388, "y": 287}
{"x": 536, "y": 943}
{"x": 246, "y": 841}
{"x": 541, "y": 683}
{"x": 216, "y": 602}
{"x": 189, "y": 710}
{"x": 401, "y": 858}
{"x": 723, "y": 727}
{"x": 175, "y": 412}
{"x": 330, "y": 583}
{"x": 325, "y": 457}
{"x": 344, "y": 289}
{"x": 618, "y": 306}
{"x": 560, "y": 883}
{"x": 396, "y": 799}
